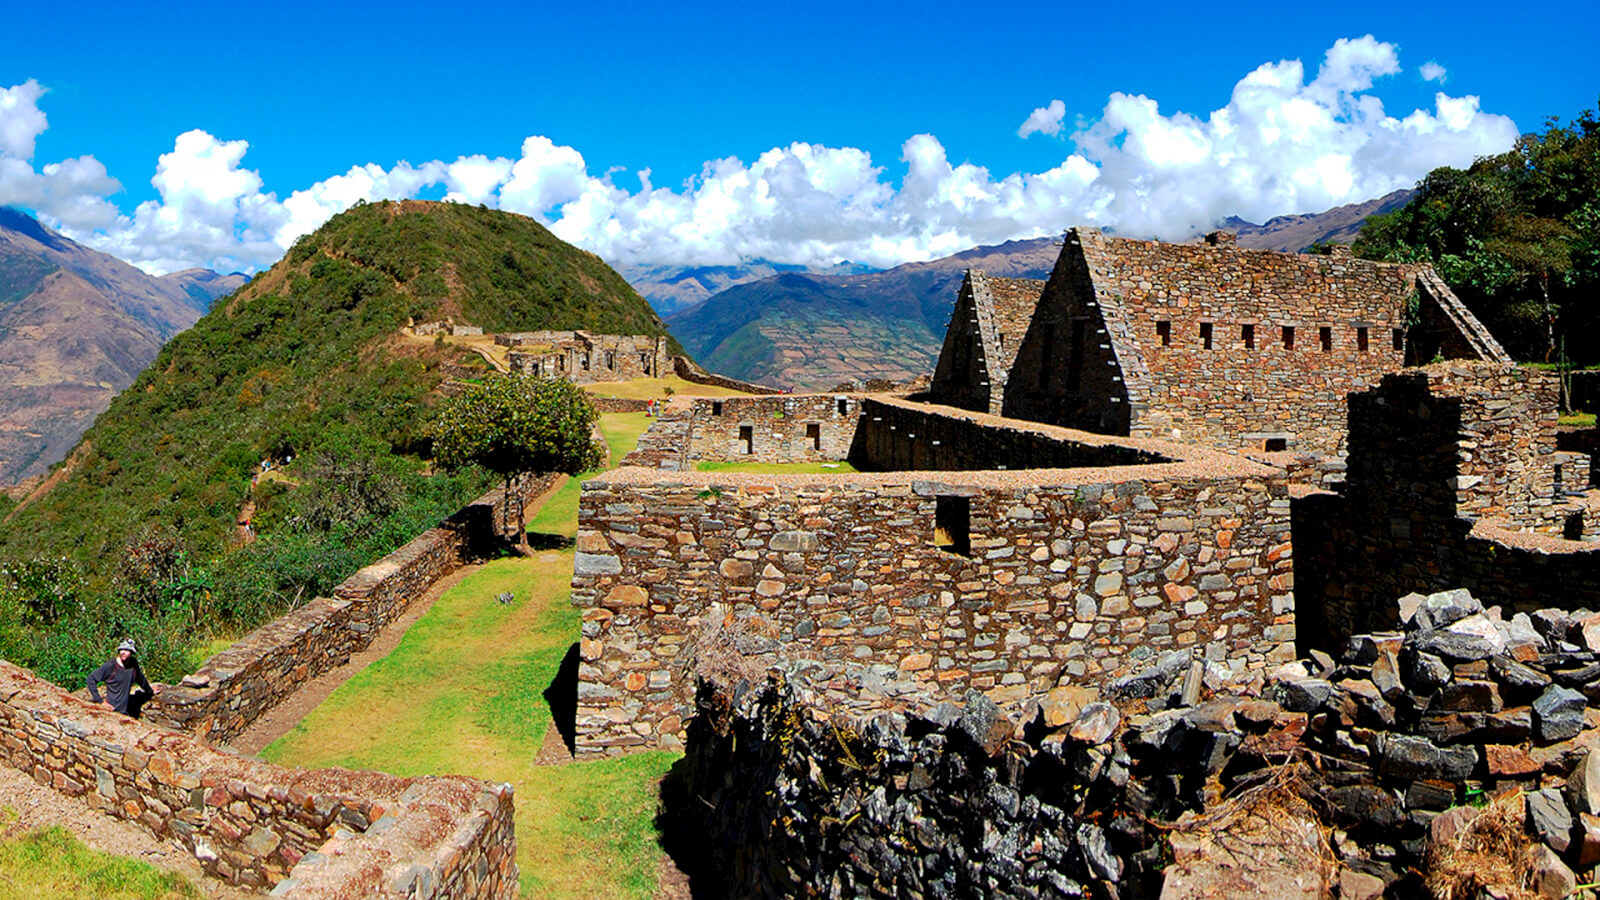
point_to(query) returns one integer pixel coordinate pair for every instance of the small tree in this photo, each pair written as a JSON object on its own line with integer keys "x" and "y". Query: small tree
{"x": 515, "y": 425}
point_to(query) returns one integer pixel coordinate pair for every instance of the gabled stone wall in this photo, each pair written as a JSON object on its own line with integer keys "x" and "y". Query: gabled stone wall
{"x": 325, "y": 834}
{"x": 586, "y": 358}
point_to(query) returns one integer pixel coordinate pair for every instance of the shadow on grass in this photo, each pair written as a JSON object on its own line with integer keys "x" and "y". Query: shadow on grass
{"x": 538, "y": 540}
{"x": 562, "y": 697}
{"x": 682, "y": 836}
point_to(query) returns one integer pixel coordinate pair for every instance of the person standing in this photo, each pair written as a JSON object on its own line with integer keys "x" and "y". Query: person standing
{"x": 119, "y": 675}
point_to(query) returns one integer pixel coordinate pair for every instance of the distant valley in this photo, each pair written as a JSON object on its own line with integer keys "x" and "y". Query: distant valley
{"x": 76, "y": 327}
{"x": 812, "y": 331}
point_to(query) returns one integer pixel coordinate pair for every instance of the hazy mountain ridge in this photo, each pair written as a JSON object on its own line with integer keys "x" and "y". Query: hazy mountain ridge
{"x": 812, "y": 331}
{"x": 674, "y": 289}
{"x": 76, "y": 326}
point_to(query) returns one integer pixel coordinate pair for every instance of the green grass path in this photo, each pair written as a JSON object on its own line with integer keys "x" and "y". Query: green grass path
{"x": 52, "y": 864}
{"x": 463, "y": 693}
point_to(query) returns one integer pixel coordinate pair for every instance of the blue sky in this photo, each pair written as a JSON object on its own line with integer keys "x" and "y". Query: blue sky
{"x": 865, "y": 115}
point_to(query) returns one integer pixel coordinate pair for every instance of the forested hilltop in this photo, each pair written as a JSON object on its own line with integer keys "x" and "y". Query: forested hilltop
{"x": 1517, "y": 236}
{"x": 304, "y": 367}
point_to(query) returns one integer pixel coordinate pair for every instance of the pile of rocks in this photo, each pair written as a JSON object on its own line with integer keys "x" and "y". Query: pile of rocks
{"x": 843, "y": 784}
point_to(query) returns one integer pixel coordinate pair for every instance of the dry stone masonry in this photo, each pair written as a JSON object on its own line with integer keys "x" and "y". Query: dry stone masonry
{"x": 1246, "y": 350}
{"x": 314, "y": 834}
{"x": 1008, "y": 582}
{"x": 586, "y": 358}
{"x": 847, "y": 780}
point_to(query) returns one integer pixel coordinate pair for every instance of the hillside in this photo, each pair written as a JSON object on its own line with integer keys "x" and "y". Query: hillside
{"x": 304, "y": 363}
{"x": 674, "y": 289}
{"x": 76, "y": 326}
{"x": 814, "y": 331}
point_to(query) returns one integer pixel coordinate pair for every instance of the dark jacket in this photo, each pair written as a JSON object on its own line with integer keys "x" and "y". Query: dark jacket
{"x": 118, "y": 679}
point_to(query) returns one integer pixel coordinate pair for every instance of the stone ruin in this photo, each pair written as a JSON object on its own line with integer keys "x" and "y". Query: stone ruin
{"x": 1238, "y": 407}
{"x": 586, "y": 358}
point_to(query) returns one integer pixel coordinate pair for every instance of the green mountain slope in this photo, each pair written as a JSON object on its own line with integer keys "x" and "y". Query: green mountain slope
{"x": 305, "y": 363}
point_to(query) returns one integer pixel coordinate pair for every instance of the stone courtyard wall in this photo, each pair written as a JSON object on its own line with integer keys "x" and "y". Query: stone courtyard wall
{"x": 779, "y": 428}
{"x": 1072, "y": 576}
{"x": 230, "y": 690}
{"x": 899, "y": 435}
{"x": 329, "y": 833}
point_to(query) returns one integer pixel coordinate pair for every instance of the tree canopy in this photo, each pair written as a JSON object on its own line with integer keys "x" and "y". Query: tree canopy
{"x": 515, "y": 425}
{"x": 1516, "y": 235}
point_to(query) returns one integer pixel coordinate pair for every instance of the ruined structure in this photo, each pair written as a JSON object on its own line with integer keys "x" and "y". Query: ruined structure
{"x": 975, "y": 553}
{"x": 1243, "y": 350}
{"x": 987, "y": 326}
{"x": 584, "y": 357}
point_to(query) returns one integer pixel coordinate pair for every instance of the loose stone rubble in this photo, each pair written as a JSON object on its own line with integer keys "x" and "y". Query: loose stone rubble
{"x": 850, "y": 780}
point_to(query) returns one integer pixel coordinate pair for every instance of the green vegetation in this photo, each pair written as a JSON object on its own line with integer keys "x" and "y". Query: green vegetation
{"x": 657, "y": 388}
{"x": 51, "y": 864}
{"x": 464, "y": 692}
{"x": 836, "y": 467}
{"x": 20, "y": 275}
{"x": 1517, "y": 236}
{"x": 515, "y": 425}
{"x": 143, "y": 539}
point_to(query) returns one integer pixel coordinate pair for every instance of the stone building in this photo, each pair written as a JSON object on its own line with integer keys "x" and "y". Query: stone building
{"x": 1245, "y": 350}
{"x": 988, "y": 323}
{"x": 585, "y": 357}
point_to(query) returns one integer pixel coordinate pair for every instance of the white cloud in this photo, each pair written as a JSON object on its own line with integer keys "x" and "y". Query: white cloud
{"x": 1044, "y": 120}
{"x": 1279, "y": 144}
{"x": 1432, "y": 71}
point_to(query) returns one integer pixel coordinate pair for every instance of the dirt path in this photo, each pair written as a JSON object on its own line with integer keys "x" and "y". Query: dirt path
{"x": 277, "y": 721}
{"x": 37, "y": 807}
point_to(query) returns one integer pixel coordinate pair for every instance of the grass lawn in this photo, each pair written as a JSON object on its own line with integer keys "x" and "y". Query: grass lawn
{"x": 646, "y": 388}
{"x": 463, "y": 693}
{"x": 51, "y": 864}
{"x": 1580, "y": 419}
{"x": 801, "y": 468}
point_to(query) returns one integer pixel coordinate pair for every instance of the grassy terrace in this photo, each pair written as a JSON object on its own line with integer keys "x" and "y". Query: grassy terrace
{"x": 648, "y": 388}
{"x": 463, "y": 693}
{"x": 801, "y": 468}
{"x": 50, "y": 864}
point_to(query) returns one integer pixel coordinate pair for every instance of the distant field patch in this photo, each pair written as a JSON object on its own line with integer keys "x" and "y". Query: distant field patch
{"x": 803, "y": 468}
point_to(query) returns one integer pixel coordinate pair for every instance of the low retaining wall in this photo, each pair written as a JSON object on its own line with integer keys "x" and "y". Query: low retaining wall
{"x": 688, "y": 371}
{"x": 781, "y": 429}
{"x": 619, "y": 404}
{"x": 230, "y": 690}
{"x": 329, "y": 833}
{"x": 898, "y": 435}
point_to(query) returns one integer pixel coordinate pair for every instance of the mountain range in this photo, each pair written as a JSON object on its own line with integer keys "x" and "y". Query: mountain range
{"x": 812, "y": 331}
{"x": 76, "y": 327}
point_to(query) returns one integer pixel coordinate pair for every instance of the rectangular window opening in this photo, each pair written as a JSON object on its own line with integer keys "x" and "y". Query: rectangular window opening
{"x": 1399, "y": 340}
{"x": 1164, "y": 332}
{"x": 747, "y": 436}
{"x": 844, "y": 406}
{"x": 952, "y": 524}
{"x": 1572, "y": 528}
{"x": 1247, "y": 333}
{"x": 1277, "y": 445}
{"x": 814, "y": 435}
{"x": 1326, "y": 334}
{"x": 1205, "y": 335}
{"x": 1288, "y": 337}
{"x": 716, "y": 407}
{"x": 1361, "y": 338}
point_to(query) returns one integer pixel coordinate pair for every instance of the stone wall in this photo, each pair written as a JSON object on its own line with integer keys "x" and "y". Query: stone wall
{"x": 1006, "y": 582}
{"x": 898, "y": 435}
{"x": 230, "y": 690}
{"x": 685, "y": 368}
{"x": 990, "y": 317}
{"x": 1451, "y": 481}
{"x": 316, "y": 834}
{"x": 1236, "y": 349}
{"x": 785, "y": 428}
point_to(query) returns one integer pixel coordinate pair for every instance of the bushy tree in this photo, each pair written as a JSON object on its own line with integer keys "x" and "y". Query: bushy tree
{"x": 516, "y": 425}
{"x": 1517, "y": 235}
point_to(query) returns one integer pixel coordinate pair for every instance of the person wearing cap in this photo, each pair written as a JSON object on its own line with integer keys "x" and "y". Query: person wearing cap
{"x": 119, "y": 675}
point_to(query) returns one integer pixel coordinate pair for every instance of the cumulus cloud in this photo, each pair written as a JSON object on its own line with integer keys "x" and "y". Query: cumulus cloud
{"x": 1280, "y": 143}
{"x": 1432, "y": 71}
{"x": 1044, "y": 120}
